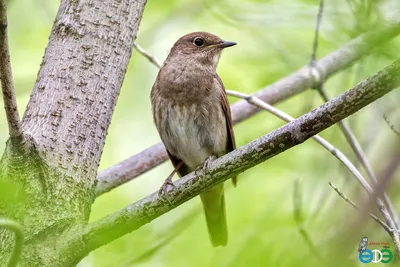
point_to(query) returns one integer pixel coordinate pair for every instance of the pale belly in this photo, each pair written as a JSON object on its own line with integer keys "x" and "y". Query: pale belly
{"x": 194, "y": 138}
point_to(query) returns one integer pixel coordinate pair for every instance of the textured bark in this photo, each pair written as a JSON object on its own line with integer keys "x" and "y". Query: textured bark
{"x": 65, "y": 125}
{"x": 294, "y": 133}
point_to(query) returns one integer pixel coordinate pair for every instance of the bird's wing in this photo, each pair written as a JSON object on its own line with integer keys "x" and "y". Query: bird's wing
{"x": 227, "y": 110}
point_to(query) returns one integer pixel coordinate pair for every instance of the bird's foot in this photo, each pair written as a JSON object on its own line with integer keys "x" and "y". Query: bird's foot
{"x": 163, "y": 191}
{"x": 202, "y": 169}
{"x": 164, "y": 188}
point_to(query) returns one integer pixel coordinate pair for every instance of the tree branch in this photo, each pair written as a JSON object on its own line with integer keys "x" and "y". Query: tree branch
{"x": 328, "y": 146}
{"x": 339, "y": 155}
{"x": 19, "y": 240}
{"x": 362, "y": 158}
{"x": 296, "y": 132}
{"x": 126, "y": 170}
{"x": 379, "y": 190}
{"x": 7, "y": 84}
{"x": 376, "y": 219}
{"x": 327, "y": 66}
{"x": 282, "y": 89}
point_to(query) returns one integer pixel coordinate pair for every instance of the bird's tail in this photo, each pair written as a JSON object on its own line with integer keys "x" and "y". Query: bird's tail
{"x": 214, "y": 209}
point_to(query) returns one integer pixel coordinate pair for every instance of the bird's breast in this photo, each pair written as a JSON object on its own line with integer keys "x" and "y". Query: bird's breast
{"x": 187, "y": 84}
{"x": 193, "y": 132}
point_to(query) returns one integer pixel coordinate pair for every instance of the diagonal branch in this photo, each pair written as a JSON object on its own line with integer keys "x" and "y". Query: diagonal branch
{"x": 126, "y": 170}
{"x": 379, "y": 190}
{"x": 7, "y": 84}
{"x": 328, "y": 146}
{"x": 296, "y": 132}
{"x": 339, "y": 155}
{"x": 282, "y": 89}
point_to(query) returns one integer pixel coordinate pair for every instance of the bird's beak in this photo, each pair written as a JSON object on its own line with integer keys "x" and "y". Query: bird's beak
{"x": 226, "y": 44}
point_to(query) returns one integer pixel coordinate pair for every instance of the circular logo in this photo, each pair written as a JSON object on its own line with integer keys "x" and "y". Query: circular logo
{"x": 376, "y": 256}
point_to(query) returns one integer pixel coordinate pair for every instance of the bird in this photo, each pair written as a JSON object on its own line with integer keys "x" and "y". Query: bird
{"x": 363, "y": 245}
{"x": 193, "y": 117}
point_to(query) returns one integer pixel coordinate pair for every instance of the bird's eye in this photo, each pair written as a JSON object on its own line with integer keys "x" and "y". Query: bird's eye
{"x": 198, "y": 41}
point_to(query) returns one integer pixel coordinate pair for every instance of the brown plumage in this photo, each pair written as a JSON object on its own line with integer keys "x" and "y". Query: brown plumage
{"x": 192, "y": 115}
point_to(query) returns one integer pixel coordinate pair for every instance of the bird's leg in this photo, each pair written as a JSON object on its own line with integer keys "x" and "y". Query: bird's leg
{"x": 203, "y": 168}
{"x": 163, "y": 190}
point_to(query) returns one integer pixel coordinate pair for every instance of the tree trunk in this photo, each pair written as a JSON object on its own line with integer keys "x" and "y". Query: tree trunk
{"x": 52, "y": 168}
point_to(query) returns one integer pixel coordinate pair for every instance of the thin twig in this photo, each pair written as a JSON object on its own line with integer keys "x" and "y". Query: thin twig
{"x": 7, "y": 84}
{"x": 280, "y": 114}
{"x": 317, "y": 27}
{"x": 274, "y": 93}
{"x": 337, "y": 153}
{"x": 362, "y": 158}
{"x": 151, "y": 58}
{"x": 298, "y": 217}
{"x": 19, "y": 240}
{"x": 349, "y": 135}
{"x": 375, "y": 218}
{"x": 391, "y": 125}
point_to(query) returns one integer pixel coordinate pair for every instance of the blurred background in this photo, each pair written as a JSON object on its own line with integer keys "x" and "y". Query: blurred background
{"x": 274, "y": 39}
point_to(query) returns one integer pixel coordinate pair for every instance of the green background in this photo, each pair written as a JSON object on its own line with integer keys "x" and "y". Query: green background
{"x": 274, "y": 39}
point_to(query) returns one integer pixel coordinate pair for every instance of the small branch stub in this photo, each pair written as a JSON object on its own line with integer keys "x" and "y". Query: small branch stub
{"x": 7, "y": 84}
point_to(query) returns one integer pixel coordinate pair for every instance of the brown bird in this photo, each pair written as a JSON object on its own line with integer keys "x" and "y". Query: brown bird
{"x": 192, "y": 115}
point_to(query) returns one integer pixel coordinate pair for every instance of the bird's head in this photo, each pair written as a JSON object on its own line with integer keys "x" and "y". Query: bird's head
{"x": 199, "y": 48}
